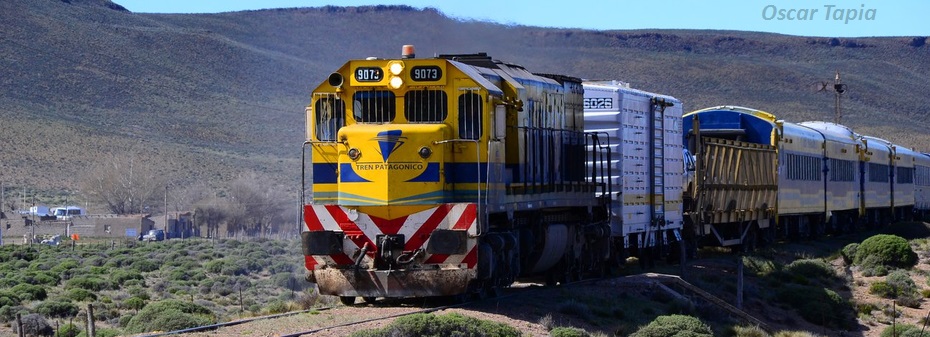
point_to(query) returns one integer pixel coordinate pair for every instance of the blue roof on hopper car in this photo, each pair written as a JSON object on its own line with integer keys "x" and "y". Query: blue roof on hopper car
{"x": 756, "y": 124}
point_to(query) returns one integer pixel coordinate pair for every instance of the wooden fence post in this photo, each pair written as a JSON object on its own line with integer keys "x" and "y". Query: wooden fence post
{"x": 91, "y": 329}
{"x": 19, "y": 325}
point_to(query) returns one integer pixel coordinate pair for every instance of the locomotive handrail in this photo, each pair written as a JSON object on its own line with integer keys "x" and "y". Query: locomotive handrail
{"x": 478, "y": 169}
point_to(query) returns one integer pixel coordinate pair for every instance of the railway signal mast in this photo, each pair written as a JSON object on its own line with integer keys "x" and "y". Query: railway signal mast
{"x": 839, "y": 88}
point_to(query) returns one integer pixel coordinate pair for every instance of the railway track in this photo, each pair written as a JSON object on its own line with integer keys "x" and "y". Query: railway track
{"x": 354, "y": 316}
{"x": 342, "y": 320}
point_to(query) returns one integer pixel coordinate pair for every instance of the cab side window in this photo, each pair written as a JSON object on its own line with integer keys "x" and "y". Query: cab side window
{"x": 330, "y": 117}
{"x": 470, "y": 115}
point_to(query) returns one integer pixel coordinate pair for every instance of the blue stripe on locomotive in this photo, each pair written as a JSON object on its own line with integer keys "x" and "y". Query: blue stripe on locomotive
{"x": 324, "y": 173}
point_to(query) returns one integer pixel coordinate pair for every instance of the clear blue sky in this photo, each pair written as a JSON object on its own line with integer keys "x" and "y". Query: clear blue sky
{"x": 832, "y": 18}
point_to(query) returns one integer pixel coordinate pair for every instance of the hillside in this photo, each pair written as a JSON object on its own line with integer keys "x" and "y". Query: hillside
{"x": 215, "y": 95}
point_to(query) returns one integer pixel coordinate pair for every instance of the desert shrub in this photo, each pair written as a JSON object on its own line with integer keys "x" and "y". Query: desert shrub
{"x": 749, "y": 331}
{"x": 69, "y": 330}
{"x": 849, "y": 253}
{"x": 817, "y": 305}
{"x": 169, "y": 315}
{"x": 35, "y": 325}
{"x": 61, "y": 308}
{"x": 428, "y": 325}
{"x": 215, "y": 266}
{"x": 103, "y": 332}
{"x": 29, "y": 292}
{"x": 897, "y": 330}
{"x": 568, "y": 332}
{"x": 881, "y": 288}
{"x": 794, "y": 334}
{"x": 871, "y": 266}
{"x": 674, "y": 326}
{"x": 280, "y": 307}
{"x": 65, "y": 265}
{"x": 8, "y": 312}
{"x": 134, "y": 303}
{"x": 121, "y": 276}
{"x": 759, "y": 266}
{"x": 575, "y": 308}
{"x": 8, "y": 298}
{"x": 145, "y": 265}
{"x": 139, "y": 292}
{"x": 79, "y": 295}
{"x": 92, "y": 283}
{"x": 811, "y": 269}
{"x": 891, "y": 251}
{"x": 39, "y": 277}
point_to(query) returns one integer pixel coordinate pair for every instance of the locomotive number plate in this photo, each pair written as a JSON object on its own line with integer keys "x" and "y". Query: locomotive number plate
{"x": 425, "y": 73}
{"x": 598, "y": 103}
{"x": 369, "y": 74}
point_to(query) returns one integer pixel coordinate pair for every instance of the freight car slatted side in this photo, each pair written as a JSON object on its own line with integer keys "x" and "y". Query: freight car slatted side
{"x": 735, "y": 183}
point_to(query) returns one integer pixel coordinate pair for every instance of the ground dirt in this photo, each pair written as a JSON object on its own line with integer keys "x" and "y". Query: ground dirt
{"x": 618, "y": 306}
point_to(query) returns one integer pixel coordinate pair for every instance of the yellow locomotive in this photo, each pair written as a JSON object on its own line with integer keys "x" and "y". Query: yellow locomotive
{"x": 448, "y": 176}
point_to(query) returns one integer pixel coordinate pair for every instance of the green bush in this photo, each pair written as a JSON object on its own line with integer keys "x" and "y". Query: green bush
{"x": 897, "y": 330}
{"x": 675, "y": 326}
{"x": 749, "y": 331}
{"x": 121, "y": 276}
{"x": 849, "y": 253}
{"x": 145, "y": 265}
{"x": 134, "y": 303}
{"x": 759, "y": 266}
{"x": 8, "y": 312}
{"x": 92, "y": 283}
{"x": 103, "y": 332}
{"x": 30, "y": 292}
{"x": 169, "y": 315}
{"x": 428, "y": 325}
{"x": 9, "y": 298}
{"x": 69, "y": 330}
{"x": 881, "y": 288}
{"x": 568, "y": 332}
{"x": 817, "y": 305}
{"x": 811, "y": 269}
{"x": 890, "y": 250}
{"x": 277, "y": 307}
{"x": 80, "y": 295}
{"x": 61, "y": 308}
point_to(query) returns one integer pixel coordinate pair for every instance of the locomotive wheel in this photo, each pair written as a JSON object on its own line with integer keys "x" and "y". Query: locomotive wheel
{"x": 347, "y": 300}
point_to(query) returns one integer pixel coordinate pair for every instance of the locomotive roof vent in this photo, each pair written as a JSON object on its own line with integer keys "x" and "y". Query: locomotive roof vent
{"x": 407, "y": 52}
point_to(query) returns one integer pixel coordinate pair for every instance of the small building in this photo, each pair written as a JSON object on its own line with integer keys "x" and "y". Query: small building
{"x": 89, "y": 226}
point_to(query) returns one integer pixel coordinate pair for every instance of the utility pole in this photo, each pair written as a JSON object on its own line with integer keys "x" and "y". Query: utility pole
{"x": 166, "y": 211}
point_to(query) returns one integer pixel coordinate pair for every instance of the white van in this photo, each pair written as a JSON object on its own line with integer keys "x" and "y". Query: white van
{"x": 66, "y": 212}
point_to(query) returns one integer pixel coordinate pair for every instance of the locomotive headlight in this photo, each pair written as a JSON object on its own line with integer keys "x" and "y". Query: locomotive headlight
{"x": 395, "y": 67}
{"x": 354, "y": 153}
{"x": 396, "y": 82}
{"x": 425, "y": 152}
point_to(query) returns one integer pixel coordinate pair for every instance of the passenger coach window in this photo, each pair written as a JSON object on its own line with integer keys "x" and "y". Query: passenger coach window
{"x": 376, "y": 106}
{"x": 330, "y": 115}
{"x": 470, "y": 116}
{"x": 426, "y": 106}
{"x": 905, "y": 175}
{"x": 878, "y": 173}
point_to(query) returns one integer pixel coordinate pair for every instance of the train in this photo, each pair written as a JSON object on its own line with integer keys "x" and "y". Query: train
{"x": 457, "y": 175}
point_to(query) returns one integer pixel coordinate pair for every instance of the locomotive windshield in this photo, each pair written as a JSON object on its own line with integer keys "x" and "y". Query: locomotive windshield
{"x": 426, "y": 106}
{"x": 376, "y": 106}
{"x": 470, "y": 115}
{"x": 330, "y": 116}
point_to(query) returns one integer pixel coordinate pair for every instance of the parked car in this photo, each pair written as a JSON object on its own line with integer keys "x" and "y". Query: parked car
{"x": 154, "y": 235}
